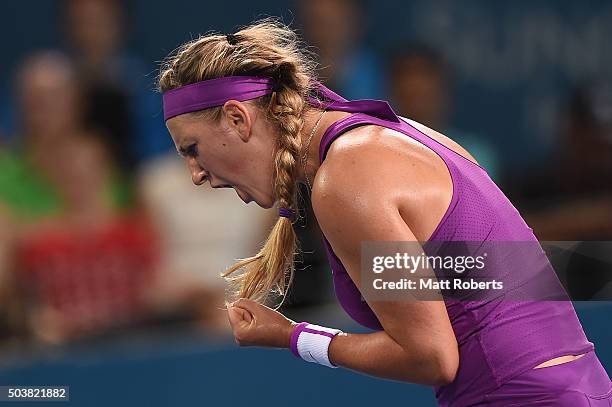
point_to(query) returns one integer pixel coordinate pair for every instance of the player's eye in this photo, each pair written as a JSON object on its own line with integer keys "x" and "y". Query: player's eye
{"x": 190, "y": 151}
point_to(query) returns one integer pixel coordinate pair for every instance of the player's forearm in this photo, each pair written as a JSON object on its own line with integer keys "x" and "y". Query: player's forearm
{"x": 431, "y": 360}
{"x": 379, "y": 355}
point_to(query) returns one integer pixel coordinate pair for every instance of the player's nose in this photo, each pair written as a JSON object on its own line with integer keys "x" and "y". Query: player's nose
{"x": 199, "y": 178}
{"x": 198, "y": 174}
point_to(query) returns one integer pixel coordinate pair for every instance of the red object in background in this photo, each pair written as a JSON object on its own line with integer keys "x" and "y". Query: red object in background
{"x": 93, "y": 279}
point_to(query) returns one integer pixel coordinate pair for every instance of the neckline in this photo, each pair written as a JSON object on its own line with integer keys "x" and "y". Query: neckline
{"x": 324, "y": 143}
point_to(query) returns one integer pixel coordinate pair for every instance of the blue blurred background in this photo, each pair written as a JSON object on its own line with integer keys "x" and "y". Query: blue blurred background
{"x": 108, "y": 263}
{"x": 186, "y": 370}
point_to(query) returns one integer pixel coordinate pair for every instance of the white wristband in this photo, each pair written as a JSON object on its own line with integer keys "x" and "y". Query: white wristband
{"x": 311, "y": 343}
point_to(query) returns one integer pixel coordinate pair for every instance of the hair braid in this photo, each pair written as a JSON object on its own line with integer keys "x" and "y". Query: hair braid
{"x": 266, "y": 48}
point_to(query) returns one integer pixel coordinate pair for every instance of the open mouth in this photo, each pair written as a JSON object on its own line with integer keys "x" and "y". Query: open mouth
{"x": 246, "y": 198}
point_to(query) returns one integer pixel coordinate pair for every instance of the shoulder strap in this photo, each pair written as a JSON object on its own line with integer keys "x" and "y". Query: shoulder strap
{"x": 327, "y": 99}
{"x": 330, "y": 100}
{"x": 338, "y": 128}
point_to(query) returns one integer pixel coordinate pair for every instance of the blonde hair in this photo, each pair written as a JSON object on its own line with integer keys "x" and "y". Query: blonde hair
{"x": 271, "y": 49}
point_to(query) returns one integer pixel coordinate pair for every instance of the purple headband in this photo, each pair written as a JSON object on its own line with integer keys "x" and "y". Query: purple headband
{"x": 214, "y": 92}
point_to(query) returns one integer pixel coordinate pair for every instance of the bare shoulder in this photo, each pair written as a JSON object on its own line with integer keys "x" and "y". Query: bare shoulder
{"x": 372, "y": 171}
{"x": 357, "y": 167}
{"x": 375, "y": 160}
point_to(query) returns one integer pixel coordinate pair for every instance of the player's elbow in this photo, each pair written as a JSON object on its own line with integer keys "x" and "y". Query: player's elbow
{"x": 446, "y": 373}
{"x": 445, "y": 365}
{"x": 432, "y": 367}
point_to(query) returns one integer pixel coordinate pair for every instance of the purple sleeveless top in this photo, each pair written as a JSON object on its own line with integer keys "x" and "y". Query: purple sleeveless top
{"x": 497, "y": 339}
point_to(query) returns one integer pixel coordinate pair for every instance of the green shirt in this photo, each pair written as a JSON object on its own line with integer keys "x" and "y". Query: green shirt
{"x": 29, "y": 195}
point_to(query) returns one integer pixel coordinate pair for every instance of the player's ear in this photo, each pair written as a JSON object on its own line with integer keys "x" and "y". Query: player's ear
{"x": 238, "y": 118}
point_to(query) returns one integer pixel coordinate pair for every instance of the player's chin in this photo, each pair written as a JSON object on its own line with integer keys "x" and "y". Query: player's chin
{"x": 265, "y": 202}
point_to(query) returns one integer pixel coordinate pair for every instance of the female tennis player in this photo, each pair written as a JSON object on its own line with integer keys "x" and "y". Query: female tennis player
{"x": 246, "y": 112}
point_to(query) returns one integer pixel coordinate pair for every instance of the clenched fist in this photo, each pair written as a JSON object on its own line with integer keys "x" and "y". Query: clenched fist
{"x": 254, "y": 324}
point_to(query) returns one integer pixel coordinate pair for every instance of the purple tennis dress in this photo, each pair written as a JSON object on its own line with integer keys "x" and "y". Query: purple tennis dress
{"x": 499, "y": 341}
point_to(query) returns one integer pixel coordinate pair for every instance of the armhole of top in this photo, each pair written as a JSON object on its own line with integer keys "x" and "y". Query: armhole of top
{"x": 407, "y": 121}
{"x": 344, "y": 127}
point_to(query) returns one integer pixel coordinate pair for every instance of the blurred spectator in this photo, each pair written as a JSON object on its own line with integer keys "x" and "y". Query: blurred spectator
{"x": 66, "y": 250}
{"x": 118, "y": 86}
{"x": 86, "y": 269}
{"x": 335, "y": 28}
{"x": 48, "y": 103}
{"x": 59, "y": 202}
{"x": 570, "y": 196}
{"x": 202, "y": 233}
{"x": 420, "y": 87}
{"x": 50, "y": 113}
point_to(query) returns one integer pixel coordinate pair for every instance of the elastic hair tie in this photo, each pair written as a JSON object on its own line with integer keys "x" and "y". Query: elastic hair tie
{"x": 277, "y": 77}
{"x": 286, "y": 213}
{"x": 231, "y": 39}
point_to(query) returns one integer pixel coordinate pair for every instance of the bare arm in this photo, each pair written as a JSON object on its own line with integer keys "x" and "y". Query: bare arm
{"x": 418, "y": 344}
{"x": 357, "y": 197}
